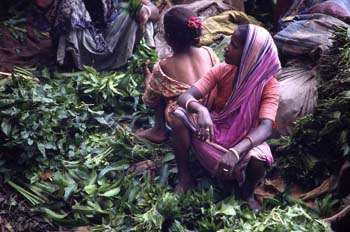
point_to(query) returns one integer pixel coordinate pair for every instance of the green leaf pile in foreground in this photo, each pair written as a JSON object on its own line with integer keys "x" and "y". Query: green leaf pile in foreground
{"x": 67, "y": 151}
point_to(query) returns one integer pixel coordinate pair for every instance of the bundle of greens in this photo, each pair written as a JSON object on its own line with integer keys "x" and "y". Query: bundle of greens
{"x": 321, "y": 141}
{"x": 66, "y": 147}
{"x": 43, "y": 115}
{"x": 86, "y": 181}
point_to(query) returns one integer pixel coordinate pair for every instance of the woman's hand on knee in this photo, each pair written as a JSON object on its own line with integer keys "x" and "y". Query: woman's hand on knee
{"x": 227, "y": 163}
{"x": 205, "y": 125}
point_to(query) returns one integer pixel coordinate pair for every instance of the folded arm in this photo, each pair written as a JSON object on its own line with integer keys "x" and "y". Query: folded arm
{"x": 189, "y": 101}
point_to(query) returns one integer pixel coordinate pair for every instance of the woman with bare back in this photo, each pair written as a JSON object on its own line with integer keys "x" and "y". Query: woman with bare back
{"x": 175, "y": 74}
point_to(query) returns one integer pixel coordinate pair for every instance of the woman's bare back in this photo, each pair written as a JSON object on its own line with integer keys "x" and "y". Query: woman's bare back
{"x": 187, "y": 67}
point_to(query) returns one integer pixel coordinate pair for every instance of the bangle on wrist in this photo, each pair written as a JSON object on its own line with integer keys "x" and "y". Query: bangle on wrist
{"x": 189, "y": 101}
{"x": 250, "y": 140}
{"x": 234, "y": 152}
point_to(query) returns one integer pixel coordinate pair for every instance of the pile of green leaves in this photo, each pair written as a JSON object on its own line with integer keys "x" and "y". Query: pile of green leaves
{"x": 41, "y": 120}
{"x": 200, "y": 212}
{"x": 43, "y": 115}
{"x": 321, "y": 141}
{"x": 90, "y": 185}
{"x": 114, "y": 91}
{"x": 106, "y": 89}
{"x": 66, "y": 148}
{"x": 137, "y": 204}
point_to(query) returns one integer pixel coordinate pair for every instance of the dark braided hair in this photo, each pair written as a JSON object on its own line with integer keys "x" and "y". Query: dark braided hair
{"x": 177, "y": 29}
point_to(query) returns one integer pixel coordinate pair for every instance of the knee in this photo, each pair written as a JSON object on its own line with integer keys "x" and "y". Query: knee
{"x": 179, "y": 131}
{"x": 256, "y": 162}
{"x": 256, "y": 168}
{"x": 176, "y": 123}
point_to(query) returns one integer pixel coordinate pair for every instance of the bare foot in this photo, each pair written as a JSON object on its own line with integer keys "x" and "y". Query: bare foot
{"x": 184, "y": 185}
{"x": 153, "y": 135}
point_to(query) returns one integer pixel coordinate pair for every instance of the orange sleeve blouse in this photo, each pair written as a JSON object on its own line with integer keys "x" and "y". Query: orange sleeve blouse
{"x": 222, "y": 76}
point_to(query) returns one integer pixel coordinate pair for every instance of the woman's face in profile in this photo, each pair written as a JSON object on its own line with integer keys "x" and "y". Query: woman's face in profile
{"x": 234, "y": 50}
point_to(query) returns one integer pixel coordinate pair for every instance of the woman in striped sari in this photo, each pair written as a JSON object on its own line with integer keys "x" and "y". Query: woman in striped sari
{"x": 228, "y": 133}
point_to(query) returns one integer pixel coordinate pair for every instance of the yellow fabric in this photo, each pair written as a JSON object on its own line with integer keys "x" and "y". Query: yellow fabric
{"x": 224, "y": 23}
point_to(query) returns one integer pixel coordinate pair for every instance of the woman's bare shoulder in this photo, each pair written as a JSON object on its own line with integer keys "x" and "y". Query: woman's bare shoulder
{"x": 166, "y": 66}
{"x": 165, "y": 63}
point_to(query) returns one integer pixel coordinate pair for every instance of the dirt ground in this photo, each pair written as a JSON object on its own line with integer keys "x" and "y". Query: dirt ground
{"x": 31, "y": 51}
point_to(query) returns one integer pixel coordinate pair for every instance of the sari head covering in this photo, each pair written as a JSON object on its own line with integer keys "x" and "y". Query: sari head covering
{"x": 259, "y": 63}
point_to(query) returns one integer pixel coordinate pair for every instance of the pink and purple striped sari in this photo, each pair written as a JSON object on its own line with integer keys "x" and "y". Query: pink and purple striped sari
{"x": 239, "y": 116}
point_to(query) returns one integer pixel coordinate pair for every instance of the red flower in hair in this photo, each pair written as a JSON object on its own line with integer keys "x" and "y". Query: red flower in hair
{"x": 194, "y": 22}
